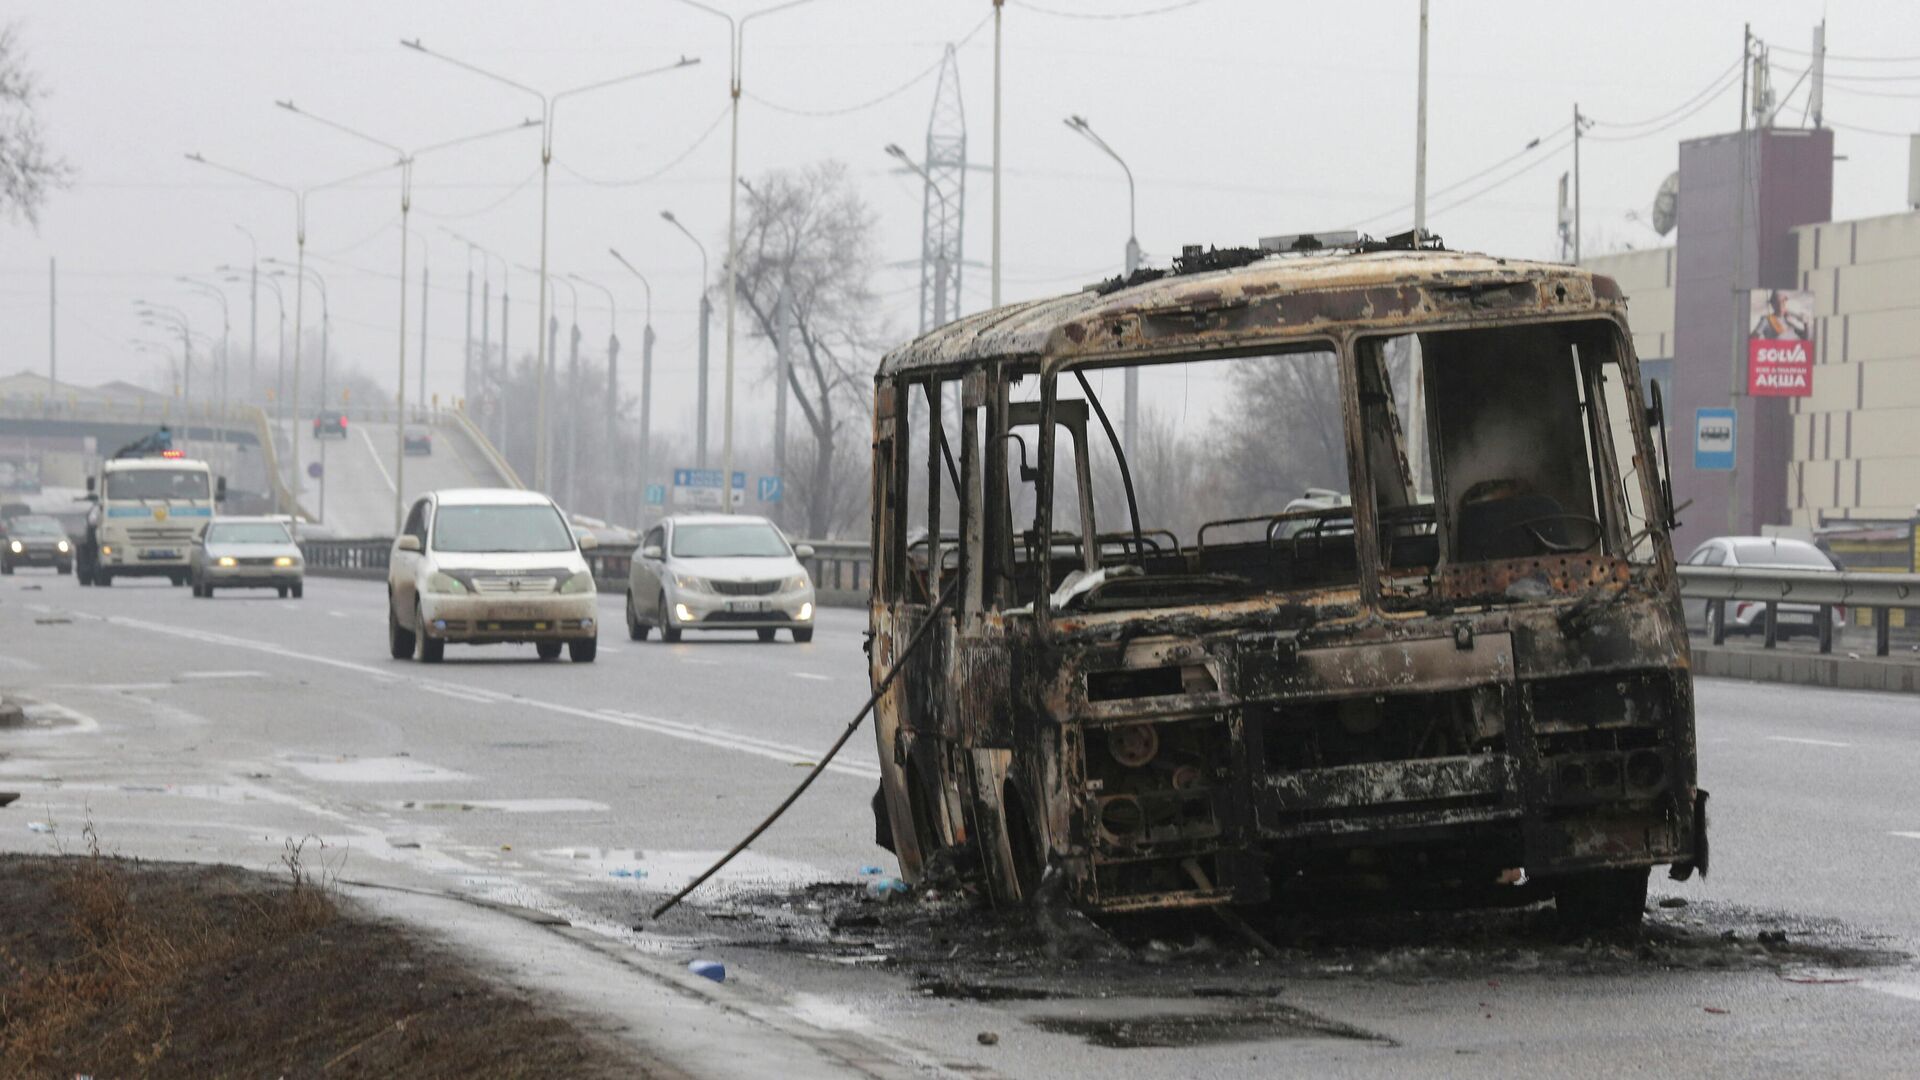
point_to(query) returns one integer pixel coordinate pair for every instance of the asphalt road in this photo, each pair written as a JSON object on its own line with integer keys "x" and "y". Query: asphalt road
{"x": 231, "y": 729}
{"x": 361, "y": 472}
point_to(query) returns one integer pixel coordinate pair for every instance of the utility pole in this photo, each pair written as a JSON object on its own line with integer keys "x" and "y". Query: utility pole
{"x": 998, "y": 6}
{"x": 1576, "y": 183}
{"x": 53, "y": 325}
{"x": 1739, "y": 281}
{"x": 466, "y": 369}
{"x": 782, "y": 356}
{"x": 1816, "y": 99}
{"x": 253, "y": 315}
{"x": 420, "y": 399}
{"x": 646, "y": 390}
{"x": 1420, "y": 139}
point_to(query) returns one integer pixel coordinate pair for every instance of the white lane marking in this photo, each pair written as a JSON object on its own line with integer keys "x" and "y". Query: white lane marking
{"x": 377, "y": 463}
{"x": 746, "y": 744}
{"x": 811, "y": 675}
{"x": 221, "y": 675}
{"x": 458, "y": 694}
{"x": 722, "y": 739}
{"x": 1807, "y": 742}
{"x": 341, "y": 614}
{"x": 1906, "y": 835}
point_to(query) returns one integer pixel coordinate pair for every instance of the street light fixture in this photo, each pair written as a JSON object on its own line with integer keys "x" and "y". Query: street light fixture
{"x": 226, "y": 334}
{"x": 407, "y": 159}
{"x": 706, "y": 319}
{"x": 164, "y": 316}
{"x": 253, "y": 313}
{"x": 280, "y": 335}
{"x": 736, "y": 48}
{"x": 646, "y": 384}
{"x": 613, "y": 390}
{"x": 300, "y": 247}
{"x": 1079, "y": 124}
{"x": 486, "y": 308}
{"x": 306, "y": 273}
{"x": 548, "y": 103}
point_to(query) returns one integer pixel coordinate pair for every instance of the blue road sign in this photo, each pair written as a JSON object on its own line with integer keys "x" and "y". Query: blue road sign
{"x": 314, "y": 470}
{"x": 771, "y": 488}
{"x": 1714, "y": 433}
{"x": 656, "y": 494}
{"x": 706, "y": 478}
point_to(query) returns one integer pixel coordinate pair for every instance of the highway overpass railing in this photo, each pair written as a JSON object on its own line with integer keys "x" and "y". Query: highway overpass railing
{"x": 842, "y": 570}
{"x": 1876, "y": 592}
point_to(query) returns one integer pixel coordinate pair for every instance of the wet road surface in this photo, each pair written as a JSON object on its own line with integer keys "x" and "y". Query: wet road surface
{"x": 228, "y": 729}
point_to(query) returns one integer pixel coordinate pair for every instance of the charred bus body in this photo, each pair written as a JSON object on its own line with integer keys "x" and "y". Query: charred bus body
{"x": 1460, "y": 655}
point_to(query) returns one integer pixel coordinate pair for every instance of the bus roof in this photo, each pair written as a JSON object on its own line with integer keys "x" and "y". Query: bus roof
{"x": 1267, "y": 300}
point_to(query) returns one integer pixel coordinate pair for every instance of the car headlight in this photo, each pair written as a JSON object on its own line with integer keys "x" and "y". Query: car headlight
{"x": 17, "y": 547}
{"x": 580, "y": 582}
{"x": 227, "y": 560}
{"x": 64, "y": 547}
{"x": 283, "y": 560}
{"x": 795, "y": 583}
{"x": 691, "y": 583}
{"x": 445, "y": 583}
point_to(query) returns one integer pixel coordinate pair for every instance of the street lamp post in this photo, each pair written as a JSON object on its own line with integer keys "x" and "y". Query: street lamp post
{"x": 612, "y": 395}
{"x": 548, "y": 103}
{"x": 173, "y": 318}
{"x": 226, "y": 333}
{"x": 253, "y": 315}
{"x": 486, "y": 308}
{"x": 940, "y": 267}
{"x": 407, "y": 159}
{"x": 706, "y": 319}
{"x": 736, "y": 48}
{"x": 646, "y": 386}
{"x": 300, "y": 247}
{"x": 1132, "y": 408}
{"x": 280, "y": 334}
{"x": 326, "y": 351}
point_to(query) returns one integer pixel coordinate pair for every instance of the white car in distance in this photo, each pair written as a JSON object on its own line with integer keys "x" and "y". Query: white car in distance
{"x": 719, "y": 572}
{"x": 485, "y": 566}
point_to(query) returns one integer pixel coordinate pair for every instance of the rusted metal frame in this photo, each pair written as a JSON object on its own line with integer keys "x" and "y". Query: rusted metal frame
{"x": 936, "y": 443}
{"x": 972, "y": 511}
{"x": 1600, "y": 433}
{"x": 1366, "y": 536}
{"x": 1609, "y": 505}
{"x": 1043, "y": 503}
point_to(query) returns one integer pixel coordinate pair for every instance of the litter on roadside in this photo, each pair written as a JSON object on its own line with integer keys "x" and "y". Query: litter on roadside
{"x": 39, "y": 826}
{"x": 708, "y": 969}
{"x": 622, "y": 872}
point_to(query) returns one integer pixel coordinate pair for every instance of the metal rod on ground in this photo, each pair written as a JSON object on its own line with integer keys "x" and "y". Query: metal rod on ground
{"x": 946, "y": 597}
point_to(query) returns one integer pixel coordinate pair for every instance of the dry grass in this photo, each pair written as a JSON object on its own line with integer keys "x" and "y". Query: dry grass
{"x": 116, "y": 967}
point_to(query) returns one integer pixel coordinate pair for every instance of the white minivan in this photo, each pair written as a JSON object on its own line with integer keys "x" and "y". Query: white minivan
{"x": 482, "y": 566}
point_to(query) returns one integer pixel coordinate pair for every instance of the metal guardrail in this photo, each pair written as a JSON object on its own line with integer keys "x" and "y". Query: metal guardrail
{"x": 1878, "y": 593}
{"x": 842, "y": 570}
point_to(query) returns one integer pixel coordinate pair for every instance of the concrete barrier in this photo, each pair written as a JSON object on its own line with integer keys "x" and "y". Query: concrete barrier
{"x": 1808, "y": 669}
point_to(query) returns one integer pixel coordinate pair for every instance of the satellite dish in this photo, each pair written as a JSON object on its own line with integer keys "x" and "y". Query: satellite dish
{"x": 1666, "y": 204}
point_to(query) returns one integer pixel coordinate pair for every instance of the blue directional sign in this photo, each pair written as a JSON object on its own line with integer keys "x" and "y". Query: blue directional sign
{"x": 771, "y": 488}
{"x": 706, "y": 478}
{"x": 314, "y": 469}
{"x": 1714, "y": 439}
{"x": 656, "y": 494}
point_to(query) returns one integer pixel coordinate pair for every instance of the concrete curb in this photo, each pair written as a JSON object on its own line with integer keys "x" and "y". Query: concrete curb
{"x": 1803, "y": 669}
{"x": 679, "y": 1024}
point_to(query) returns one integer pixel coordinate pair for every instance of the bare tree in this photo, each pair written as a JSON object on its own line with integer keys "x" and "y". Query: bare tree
{"x": 805, "y": 268}
{"x": 1283, "y": 432}
{"x": 28, "y": 170}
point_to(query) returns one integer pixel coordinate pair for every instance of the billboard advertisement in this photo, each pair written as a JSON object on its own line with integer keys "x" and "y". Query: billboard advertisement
{"x": 1779, "y": 343}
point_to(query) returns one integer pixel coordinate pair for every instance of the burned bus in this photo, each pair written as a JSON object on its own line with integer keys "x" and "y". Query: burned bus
{"x": 1283, "y": 575}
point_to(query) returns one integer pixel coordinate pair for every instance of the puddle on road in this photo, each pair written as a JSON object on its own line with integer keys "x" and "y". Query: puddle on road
{"x": 386, "y": 770}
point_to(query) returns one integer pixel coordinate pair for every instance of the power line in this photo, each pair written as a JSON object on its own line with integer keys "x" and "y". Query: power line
{"x": 1546, "y": 155}
{"x": 1105, "y": 16}
{"x": 1712, "y": 85}
{"x": 1465, "y": 180}
{"x": 887, "y": 96}
{"x": 662, "y": 170}
{"x": 1871, "y": 131}
{"x": 1700, "y": 103}
{"x": 1855, "y": 59}
{"x": 502, "y": 200}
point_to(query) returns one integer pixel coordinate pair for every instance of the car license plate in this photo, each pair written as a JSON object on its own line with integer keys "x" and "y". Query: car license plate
{"x": 747, "y": 605}
{"x": 159, "y": 553}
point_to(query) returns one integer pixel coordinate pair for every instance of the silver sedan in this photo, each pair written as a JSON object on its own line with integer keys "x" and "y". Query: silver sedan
{"x": 247, "y": 553}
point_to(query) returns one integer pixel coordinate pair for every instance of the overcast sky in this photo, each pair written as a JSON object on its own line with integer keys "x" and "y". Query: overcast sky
{"x": 1240, "y": 118}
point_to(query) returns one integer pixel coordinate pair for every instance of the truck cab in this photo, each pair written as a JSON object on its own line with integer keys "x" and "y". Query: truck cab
{"x": 150, "y": 506}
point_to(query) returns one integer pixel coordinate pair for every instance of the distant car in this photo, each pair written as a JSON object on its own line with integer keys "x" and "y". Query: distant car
{"x": 331, "y": 424}
{"x": 35, "y": 540}
{"x": 247, "y": 553}
{"x": 418, "y": 440}
{"x": 483, "y": 566}
{"x": 718, "y": 572}
{"x": 1769, "y": 553}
